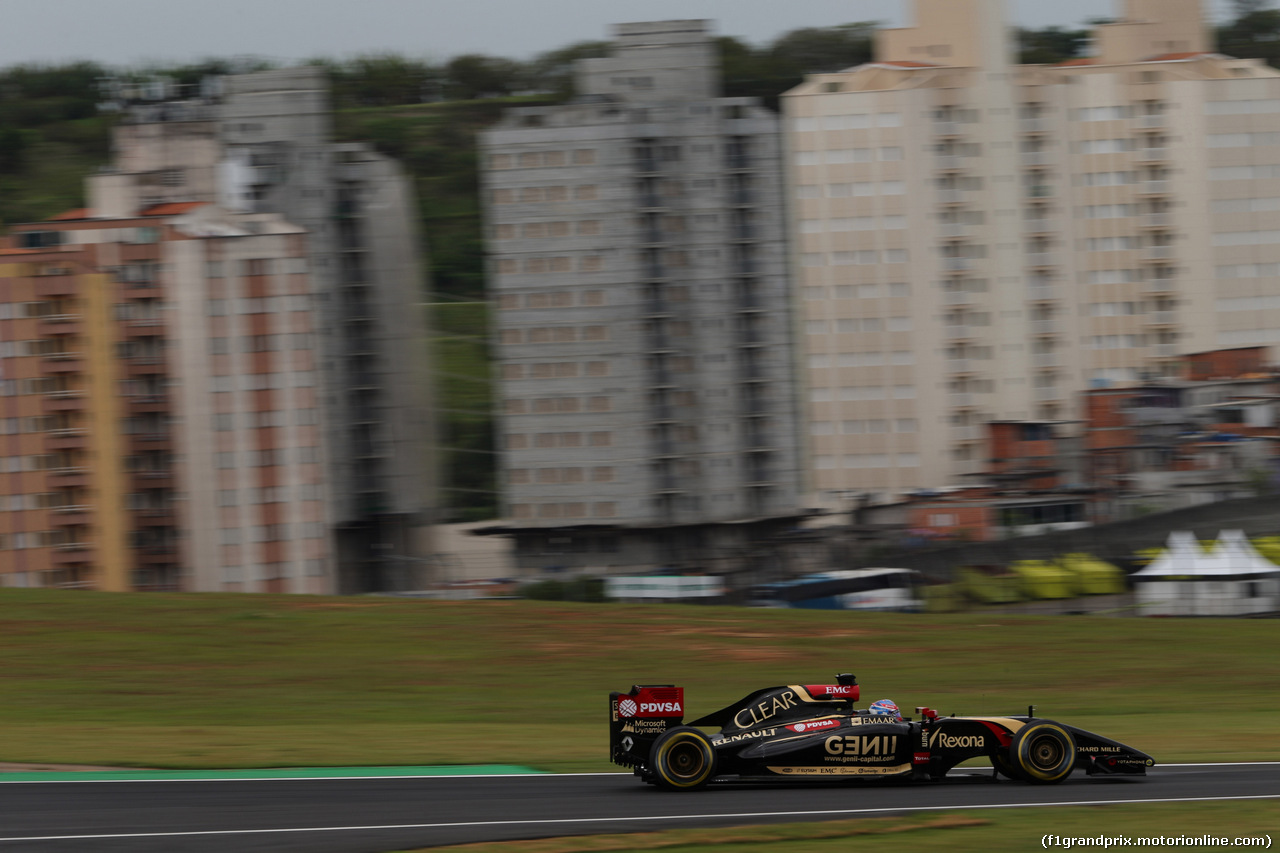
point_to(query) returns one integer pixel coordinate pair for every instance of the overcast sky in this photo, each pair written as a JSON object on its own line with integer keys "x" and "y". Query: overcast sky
{"x": 131, "y": 32}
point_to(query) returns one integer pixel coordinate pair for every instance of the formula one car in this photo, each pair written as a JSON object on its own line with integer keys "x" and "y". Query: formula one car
{"x": 812, "y": 731}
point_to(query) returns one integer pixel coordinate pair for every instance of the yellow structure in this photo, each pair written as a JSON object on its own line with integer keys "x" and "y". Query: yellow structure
{"x": 990, "y": 586}
{"x": 1041, "y": 579}
{"x": 1092, "y": 576}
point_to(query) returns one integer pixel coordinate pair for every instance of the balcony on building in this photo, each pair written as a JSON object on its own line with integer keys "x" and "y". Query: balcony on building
{"x": 62, "y": 362}
{"x": 1155, "y": 220}
{"x": 1153, "y": 154}
{"x": 1041, "y": 224}
{"x": 73, "y": 438}
{"x": 152, "y": 401}
{"x": 65, "y": 400}
{"x": 1037, "y": 158}
{"x": 68, "y": 477}
{"x": 738, "y": 155}
{"x": 144, "y": 327}
{"x": 1037, "y": 124}
{"x": 1153, "y": 187}
{"x": 71, "y": 515}
{"x": 1041, "y": 286}
{"x": 1042, "y": 259}
{"x": 60, "y": 324}
{"x": 72, "y": 553}
{"x": 50, "y": 285}
{"x": 750, "y": 370}
{"x": 1047, "y": 392}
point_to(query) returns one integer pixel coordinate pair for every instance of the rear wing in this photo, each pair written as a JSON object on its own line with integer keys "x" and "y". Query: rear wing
{"x": 638, "y": 718}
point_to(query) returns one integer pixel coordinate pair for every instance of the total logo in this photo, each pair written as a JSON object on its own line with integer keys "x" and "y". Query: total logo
{"x": 816, "y": 725}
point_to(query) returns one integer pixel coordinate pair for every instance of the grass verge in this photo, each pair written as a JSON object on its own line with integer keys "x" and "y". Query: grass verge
{"x": 261, "y": 681}
{"x": 977, "y": 830}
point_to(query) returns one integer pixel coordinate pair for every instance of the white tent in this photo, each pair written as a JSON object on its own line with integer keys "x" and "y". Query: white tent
{"x": 1232, "y": 579}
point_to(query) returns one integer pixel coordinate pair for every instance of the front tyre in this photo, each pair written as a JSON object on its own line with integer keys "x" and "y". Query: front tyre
{"x": 682, "y": 759}
{"x": 1043, "y": 753}
{"x": 1005, "y": 767}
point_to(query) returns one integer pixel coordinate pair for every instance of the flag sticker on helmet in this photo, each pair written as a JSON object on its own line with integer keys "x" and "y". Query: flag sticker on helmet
{"x": 885, "y": 708}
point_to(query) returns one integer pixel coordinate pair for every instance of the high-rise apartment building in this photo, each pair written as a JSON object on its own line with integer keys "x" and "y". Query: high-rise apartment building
{"x": 160, "y": 405}
{"x": 641, "y": 317}
{"x": 262, "y": 142}
{"x": 976, "y": 240}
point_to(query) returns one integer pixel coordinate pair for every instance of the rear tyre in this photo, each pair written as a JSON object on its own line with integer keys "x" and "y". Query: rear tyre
{"x": 1043, "y": 753}
{"x": 682, "y": 759}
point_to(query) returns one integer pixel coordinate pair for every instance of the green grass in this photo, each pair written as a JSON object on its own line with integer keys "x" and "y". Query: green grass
{"x": 978, "y": 830}
{"x": 253, "y": 681}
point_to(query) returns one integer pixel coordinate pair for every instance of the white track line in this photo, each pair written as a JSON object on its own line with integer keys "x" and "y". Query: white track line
{"x": 454, "y": 777}
{"x": 609, "y": 820}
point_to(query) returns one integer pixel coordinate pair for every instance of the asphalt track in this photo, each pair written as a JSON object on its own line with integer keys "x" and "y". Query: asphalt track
{"x": 374, "y": 815}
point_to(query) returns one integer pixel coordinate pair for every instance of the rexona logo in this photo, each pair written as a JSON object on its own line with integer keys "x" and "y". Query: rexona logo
{"x": 816, "y": 725}
{"x": 947, "y": 741}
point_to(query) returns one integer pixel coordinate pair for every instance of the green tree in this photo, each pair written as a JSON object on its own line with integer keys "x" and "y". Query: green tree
{"x": 382, "y": 80}
{"x": 769, "y": 71}
{"x": 1254, "y": 34}
{"x": 474, "y": 76}
{"x": 814, "y": 50}
{"x": 1051, "y": 45}
{"x": 13, "y": 145}
{"x": 553, "y": 71}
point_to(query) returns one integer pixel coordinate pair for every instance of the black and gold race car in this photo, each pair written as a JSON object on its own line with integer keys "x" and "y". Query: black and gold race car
{"x": 813, "y": 731}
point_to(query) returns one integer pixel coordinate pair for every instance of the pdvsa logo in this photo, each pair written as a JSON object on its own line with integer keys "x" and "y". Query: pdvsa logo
{"x": 816, "y": 725}
{"x": 626, "y": 708}
{"x": 657, "y": 708}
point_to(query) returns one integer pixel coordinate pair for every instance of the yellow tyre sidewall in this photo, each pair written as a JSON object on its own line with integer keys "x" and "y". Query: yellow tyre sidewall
{"x": 1025, "y": 765}
{"x": 680, "y": 739}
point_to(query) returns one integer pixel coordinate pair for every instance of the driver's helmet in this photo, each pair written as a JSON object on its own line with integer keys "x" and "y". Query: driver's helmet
{"x": 884, "y": 708}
